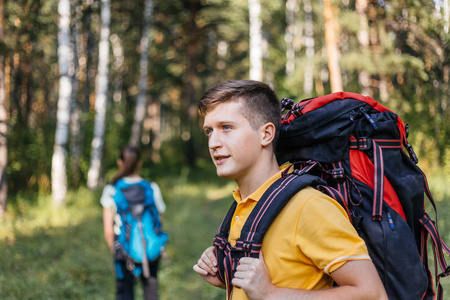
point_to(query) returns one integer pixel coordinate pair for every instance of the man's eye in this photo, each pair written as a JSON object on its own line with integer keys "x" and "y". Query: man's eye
{"x": 226, "y": 127}
{"x": 208, "y": 131}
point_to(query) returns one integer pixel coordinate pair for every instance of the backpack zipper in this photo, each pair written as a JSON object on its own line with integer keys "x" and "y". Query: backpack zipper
{"x": 368, "y": 118}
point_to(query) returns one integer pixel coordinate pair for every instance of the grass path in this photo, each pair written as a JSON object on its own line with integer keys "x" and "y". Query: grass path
{"x": 48, "y": 253}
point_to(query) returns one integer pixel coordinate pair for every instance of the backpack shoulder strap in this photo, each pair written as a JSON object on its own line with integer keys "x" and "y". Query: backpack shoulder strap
{"x": 271, "y": 203}
{"x": 266, "y": 210}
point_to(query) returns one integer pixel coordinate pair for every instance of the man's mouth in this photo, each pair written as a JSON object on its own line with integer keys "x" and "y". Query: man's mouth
{"x": 220, "y": 159}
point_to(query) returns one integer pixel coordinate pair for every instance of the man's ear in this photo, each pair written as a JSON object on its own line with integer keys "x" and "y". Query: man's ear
{"x": 267, "y": 134}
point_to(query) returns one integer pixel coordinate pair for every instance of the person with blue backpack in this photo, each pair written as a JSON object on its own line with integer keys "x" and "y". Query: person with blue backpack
{"x": 132, "y": 208}
{"x": 310, "y": 250}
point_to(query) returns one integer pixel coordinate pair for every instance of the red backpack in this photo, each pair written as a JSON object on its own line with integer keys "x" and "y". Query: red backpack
{"x": 352, "y": 148}
{"x": 360, "y": 147}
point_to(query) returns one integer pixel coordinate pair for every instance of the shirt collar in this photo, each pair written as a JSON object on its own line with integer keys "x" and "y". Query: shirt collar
{"x": 256, "y": 195}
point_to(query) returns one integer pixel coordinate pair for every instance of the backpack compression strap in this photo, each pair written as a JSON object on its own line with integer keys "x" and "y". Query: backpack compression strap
{"x": 250, "y": 241}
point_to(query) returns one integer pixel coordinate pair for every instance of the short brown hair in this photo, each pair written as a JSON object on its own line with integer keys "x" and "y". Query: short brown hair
{"x": 261, "y": 104}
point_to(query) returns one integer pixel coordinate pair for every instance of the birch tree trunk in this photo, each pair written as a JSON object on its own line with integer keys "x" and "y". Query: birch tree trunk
{"x": 364, "y": 77}
{"x": 331, "y": 41}
{"x": 101, "y": 97}
{"x": 308, "y": 82}
{"x": 291, "y": 17}
{"x": 256, "y": 53}
{"x": 143, "y": 75}
{"x": 59, "y": 177}
{"x": 3, "y": 123}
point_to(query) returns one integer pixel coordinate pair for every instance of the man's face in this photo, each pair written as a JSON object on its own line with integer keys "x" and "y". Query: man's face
{"x": 234, "y": 144}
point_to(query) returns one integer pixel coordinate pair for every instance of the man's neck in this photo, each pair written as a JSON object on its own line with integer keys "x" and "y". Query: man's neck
{"x": 252, "y": 182}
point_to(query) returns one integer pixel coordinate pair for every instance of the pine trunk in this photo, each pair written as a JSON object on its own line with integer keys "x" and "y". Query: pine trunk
{"x": 59, "y": 177}
{"x": 256, "y": 54}
{"x": 332, "y": 42}
{"x": 101, "y": 97}
{"x": 143, "y": 75}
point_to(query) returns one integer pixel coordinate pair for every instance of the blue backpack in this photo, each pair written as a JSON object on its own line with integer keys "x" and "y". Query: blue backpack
{"x": 139, "y": 227}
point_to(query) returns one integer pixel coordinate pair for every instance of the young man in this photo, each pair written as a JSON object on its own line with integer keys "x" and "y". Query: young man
{"x": 311, "y": 243}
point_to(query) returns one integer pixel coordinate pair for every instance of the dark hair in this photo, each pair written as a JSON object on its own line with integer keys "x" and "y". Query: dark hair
{"x": 130, "y": 157}
{"x": 261, "y": 104}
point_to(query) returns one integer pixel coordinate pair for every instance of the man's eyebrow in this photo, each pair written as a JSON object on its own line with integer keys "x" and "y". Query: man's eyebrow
{"x": 220, "y": 123}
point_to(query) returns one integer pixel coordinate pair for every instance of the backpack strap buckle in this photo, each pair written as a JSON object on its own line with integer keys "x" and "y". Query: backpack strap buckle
{"x": 338, "y": 175}
{"x": 364, "y": 143}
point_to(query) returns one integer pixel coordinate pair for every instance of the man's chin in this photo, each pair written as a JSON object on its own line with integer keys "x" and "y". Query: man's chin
{"x": 225, "y": 175}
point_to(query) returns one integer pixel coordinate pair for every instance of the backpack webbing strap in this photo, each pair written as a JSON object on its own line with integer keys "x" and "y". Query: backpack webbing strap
{"x": 145, "y": 266}
{"x": 336, "y": 195}
{"x": 378, "y": 164}
{"x": 438, "y": 246}
{"x": 250, "y": 241}
{"x": 430, "y": 227}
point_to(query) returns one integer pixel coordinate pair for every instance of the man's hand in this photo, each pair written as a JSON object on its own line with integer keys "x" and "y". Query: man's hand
{"x": 207, "y": 267}
{"x": 253, "y": 277}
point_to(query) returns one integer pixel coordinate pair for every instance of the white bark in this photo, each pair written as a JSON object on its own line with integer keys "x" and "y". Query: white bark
{"x": 364, "y": 77}
{"x": 143, "y": 75}
{"x": 3, "y": 125}
{"x": 101, "y": 97}
{"x": 59, "y": 177}
{"x": 308, "y": 83}
{"x": 256, "y": 53}
{"x": 291, "y": 16}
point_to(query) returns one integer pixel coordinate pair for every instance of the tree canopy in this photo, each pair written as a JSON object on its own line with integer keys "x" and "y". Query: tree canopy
{"x": 395, "y": 51}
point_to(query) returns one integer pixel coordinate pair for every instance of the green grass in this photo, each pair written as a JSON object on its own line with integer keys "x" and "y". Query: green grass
{"x": 60, "y": 253}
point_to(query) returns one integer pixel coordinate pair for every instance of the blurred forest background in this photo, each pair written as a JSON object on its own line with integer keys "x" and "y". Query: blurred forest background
{"x": 79, "y": 79}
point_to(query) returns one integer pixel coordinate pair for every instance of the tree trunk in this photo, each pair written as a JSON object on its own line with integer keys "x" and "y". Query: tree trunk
{"x": 332, "y": 42}
{"x": 364, "y": 78}
{"x": 152, "y": 129}
{"x": 75, "y": 116}
{"x": 256, "y": 68}
{"x": 101, "y": 97}
{"x": 3, "y": 123}
{"x": 88, "y": 74}
{"x": 309, "y": 43}
{"x": 59, "y": 177}
{"x": 143, "y": 75}
{"x": 119, "y": 58}
{"x": 291, "y": 17}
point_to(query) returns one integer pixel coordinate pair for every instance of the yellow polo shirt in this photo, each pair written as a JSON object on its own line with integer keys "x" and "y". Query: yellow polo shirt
{"x": 309, "y": 239}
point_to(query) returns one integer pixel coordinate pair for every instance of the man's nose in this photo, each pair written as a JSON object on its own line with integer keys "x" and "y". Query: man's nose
{"x": 214, "y": 141}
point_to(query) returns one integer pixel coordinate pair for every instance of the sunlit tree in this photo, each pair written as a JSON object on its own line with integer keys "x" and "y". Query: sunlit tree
{"x": 101, "y": 97}
{"x": 143, "y": 75}
{"x": 59, "y": 176}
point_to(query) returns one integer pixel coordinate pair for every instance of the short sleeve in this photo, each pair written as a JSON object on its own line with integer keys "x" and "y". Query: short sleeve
{"x": 107, "y": 199}
{"x": 159, "y": 201}
{"x": 325, "y": 235}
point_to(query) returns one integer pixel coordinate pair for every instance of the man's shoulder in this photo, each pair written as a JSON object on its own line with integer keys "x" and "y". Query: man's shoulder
{"x": 310, "y": 200}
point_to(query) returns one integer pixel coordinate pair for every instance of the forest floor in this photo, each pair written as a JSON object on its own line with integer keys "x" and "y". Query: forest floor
{"x": 60, "y": 253}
